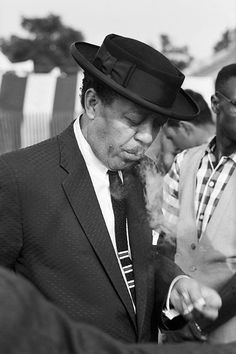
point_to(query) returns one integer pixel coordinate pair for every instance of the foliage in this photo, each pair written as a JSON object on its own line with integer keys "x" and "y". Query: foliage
{"x": 47, "y": 44}
{"x": 179, "y": 56}
{"x": 223, "y": 42}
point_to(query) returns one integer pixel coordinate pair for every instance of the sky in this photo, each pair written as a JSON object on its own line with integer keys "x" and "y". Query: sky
{"x": 198, "y": 24}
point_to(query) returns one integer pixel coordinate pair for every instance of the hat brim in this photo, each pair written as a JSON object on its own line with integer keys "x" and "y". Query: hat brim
{"x": 183, "y": 108}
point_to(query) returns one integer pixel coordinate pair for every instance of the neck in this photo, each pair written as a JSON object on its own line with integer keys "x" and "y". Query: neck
{"x": 204, "y": 133}
{"x": 224, "y": 146}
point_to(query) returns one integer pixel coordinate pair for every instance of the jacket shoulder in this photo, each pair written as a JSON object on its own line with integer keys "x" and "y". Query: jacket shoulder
{"x": 30, "y": 154}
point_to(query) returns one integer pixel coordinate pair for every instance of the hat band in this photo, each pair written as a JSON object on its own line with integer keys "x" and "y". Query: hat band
{"x": 136, "y": 80}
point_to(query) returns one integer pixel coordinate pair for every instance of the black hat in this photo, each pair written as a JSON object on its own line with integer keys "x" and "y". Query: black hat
{"x": 139, "y": 73}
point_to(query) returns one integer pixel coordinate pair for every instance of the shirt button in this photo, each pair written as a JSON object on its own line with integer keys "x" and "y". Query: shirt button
{"x": 193, "y": 268}
{"x": 201, "y": 216}
{"x": 193, "y": 246}
{"x": 211, "y": 184}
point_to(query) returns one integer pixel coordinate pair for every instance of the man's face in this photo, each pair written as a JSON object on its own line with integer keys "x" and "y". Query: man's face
{"x": 226, "y": 114}
{"x": 121, "y": 132}
{"x": 177, "y": 136}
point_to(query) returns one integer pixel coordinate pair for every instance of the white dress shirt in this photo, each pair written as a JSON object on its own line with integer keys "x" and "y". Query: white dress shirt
{"x": 100, "y": 180}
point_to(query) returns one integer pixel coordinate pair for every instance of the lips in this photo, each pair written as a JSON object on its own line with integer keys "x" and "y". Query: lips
{"x": 134, "y": 154}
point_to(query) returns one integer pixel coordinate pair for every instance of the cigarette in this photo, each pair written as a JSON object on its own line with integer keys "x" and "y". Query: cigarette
{"x": 188, "y": 309}
{"x": 200, "y": 303}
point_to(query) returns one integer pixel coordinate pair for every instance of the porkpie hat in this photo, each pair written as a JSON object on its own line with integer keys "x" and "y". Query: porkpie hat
{"x": 139, "y": 73}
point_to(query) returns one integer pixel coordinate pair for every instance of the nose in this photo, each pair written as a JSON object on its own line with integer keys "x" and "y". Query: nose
{"x": 145, "y": 132}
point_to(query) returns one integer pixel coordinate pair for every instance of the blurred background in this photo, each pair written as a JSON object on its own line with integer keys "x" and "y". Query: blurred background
{"x": 40, "y": 82}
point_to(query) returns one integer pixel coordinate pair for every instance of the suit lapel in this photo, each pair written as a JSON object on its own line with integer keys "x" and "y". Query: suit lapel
{"x": 82, "y": 198}
{"x": 140, "y": 242}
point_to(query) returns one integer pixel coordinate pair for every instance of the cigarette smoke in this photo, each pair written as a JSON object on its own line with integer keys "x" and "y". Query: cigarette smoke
{"x": 152, "y": 175}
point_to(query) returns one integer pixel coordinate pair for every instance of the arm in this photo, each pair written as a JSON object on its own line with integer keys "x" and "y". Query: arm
{"x": 191, "y": 332}
{"x": 188, "y": 297}
{"x": 10, "y": 217}
{"x": 228, "y": 309}
{"x": 165, "y": 271}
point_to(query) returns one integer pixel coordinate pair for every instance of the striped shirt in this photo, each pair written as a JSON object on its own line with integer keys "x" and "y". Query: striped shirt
{"x": 211, "y": 180}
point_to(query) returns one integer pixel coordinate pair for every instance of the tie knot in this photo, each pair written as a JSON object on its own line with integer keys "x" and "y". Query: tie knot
{"x": 113, "y": 176}
{"x": 116, "y": 186}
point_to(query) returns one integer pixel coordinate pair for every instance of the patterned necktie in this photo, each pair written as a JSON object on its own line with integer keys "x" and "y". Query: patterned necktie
{"x": 119, "y": 208}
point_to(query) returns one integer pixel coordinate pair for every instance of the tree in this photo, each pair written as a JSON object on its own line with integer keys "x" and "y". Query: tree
{"x": 47, "y": 44}
{"x": 224, "y": 41}
{"x": 165, "y": 43}
{"x": 179, "y": 56}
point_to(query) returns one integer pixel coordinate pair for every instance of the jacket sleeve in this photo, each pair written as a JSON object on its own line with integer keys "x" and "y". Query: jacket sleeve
{"x": 10, "y": 216}
{"x": 165, "y": 271}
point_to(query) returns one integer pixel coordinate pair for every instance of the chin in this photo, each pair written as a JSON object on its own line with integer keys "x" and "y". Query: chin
{"x": 128, "y": 164}
{"x": 122, "y": 165}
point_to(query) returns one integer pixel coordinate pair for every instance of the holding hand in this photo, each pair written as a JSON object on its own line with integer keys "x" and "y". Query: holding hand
{"x": 190, "y": 299}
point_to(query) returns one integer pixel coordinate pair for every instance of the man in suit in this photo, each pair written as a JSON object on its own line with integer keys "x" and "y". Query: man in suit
{"x": 58, "y": 219}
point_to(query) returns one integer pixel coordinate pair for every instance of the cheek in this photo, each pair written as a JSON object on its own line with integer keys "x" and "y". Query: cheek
{"x": 229, "y": 128}
{"x": 114, "y": 140}
{"x": 121, "y": 134}
{"x": 180, "y": 142}
{"x": 227, "y": 121}
{"x": 173, "y": 138}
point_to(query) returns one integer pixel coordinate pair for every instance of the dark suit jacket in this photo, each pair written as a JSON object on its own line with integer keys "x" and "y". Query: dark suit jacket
{"x": 30, "y": 324}
{"x": 53, "y": 233}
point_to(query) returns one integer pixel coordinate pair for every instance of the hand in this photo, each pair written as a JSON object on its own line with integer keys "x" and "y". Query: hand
{"x": 191, "y": 299}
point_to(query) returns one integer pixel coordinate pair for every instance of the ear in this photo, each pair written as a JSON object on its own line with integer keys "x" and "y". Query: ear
{"x": 186, "y": 127}
{"x": 90, "y": 102}
{"x": 215, "y": 104}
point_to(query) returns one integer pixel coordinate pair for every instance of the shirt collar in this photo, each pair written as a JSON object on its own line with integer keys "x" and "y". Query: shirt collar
{"x": 210, "y": 149}
{"x": 92, "y": 162}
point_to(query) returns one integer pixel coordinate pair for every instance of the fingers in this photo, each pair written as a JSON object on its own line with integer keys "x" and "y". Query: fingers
{"x": 189, "y": 306}
{"x": 186, "y": 303}
{"x": 191, "y": 298}
{"x": 200, "y": 304}
{"x": 213, "y": 303}
{"x": 182, "y": 303}
{"x": 212, "y": 296}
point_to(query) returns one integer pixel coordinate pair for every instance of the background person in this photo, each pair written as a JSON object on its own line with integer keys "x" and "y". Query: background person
{"x": 199, "y": 202}
{"x": 178, "y": 135}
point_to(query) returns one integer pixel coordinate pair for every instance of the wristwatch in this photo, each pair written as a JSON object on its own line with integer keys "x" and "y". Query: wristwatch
{"x": 197, "y": 331}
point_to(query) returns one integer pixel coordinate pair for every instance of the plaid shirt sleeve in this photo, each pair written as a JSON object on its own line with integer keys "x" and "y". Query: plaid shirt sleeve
{"x": 170, "y": 207}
